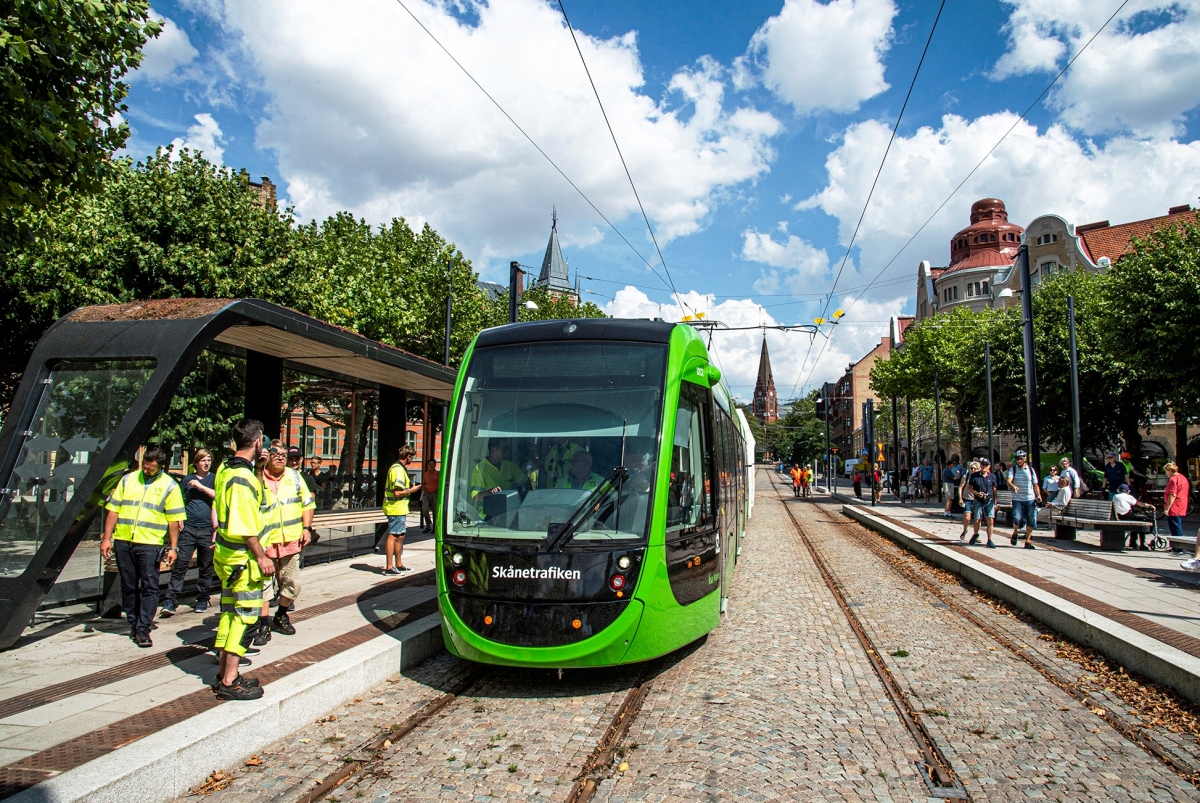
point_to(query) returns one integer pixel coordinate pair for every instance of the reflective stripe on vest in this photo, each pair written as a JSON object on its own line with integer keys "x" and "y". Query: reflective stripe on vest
{"x": 238, "y": 504}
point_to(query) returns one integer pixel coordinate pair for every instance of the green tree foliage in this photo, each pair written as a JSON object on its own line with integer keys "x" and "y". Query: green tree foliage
{"x": 1152, "y": 297}
{"x": 952, "y": 345}
{"x": 61, "y": 61}
{"x": 1113, "y": 396}
{"x": 797, "y": 437}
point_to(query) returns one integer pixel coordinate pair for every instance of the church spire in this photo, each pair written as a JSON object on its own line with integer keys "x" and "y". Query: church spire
{"x": 766, "y": 405}
{"x": 555, "y": 274}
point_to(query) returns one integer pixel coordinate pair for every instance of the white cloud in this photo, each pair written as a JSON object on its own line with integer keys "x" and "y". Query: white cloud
{"x": 823, "y": 56}
{"x": 803, "y": 264}
{"x": 736, "y": 352}
{"x": 1140, "y": 75}
{"x": 368, "y": 114}
{"x": 167, "y": 52}
{"x": 205, "y": 136}
{"x": 1033, "y": 173}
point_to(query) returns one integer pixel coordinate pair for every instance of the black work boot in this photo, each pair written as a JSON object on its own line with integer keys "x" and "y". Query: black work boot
{"x": 280, "y": 623}
{"x": 262, "y": 634}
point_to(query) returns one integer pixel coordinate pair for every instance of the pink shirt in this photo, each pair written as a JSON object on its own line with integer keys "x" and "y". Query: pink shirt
{"x": 1177, "y": 486}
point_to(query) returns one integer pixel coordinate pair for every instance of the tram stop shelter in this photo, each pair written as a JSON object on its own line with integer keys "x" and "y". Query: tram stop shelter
{"x": 98, "y": 381}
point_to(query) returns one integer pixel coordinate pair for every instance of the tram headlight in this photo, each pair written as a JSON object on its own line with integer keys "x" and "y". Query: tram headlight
{"x": 616, "y": 582}
{"x": 457, "y": 558}
{"x": 459, "y": 577}
{"x": 624, "y": 562}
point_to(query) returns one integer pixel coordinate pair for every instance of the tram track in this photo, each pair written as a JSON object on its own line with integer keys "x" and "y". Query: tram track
{"x": 885, "y": 551}
{"x": 1190, "y": 771}
{"x": 935, "y": 770}
{"x": 370, "y": 757}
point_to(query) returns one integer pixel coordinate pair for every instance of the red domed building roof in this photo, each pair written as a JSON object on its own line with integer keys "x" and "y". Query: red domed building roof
{"x": 990, "y": 240}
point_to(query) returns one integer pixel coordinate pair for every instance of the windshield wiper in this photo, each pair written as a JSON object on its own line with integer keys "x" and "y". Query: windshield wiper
{"x": 611, "y": 483}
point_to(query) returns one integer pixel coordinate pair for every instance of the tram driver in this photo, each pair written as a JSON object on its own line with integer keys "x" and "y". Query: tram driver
{"x": 580, "y": 476}
{"x": 495, "y": 473}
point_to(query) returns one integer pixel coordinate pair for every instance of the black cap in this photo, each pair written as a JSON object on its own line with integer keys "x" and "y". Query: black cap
{"x": 293, "y": 451}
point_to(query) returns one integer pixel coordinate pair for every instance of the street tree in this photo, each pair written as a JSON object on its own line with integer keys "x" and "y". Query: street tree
{"x": 950, "y": 345}
{"x": 1153, "y": 305}
{"x": 59, "y": 113}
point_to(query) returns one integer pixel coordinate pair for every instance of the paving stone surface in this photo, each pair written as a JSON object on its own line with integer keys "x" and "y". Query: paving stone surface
{"x": 779, "y": 703}
{"x": 1008, "y": 731}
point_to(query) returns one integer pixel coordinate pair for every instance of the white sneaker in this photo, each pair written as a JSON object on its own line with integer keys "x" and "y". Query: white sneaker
{"x": 1192, "y": 565}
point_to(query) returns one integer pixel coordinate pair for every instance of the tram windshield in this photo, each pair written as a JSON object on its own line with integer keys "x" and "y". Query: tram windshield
{"x": 541, "y": 427}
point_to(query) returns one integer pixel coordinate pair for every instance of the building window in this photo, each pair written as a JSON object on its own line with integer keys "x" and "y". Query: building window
{"x": 970, "y": 290}
{"x": 329, "y": 442}
{"x": 1047, "y": 239}
{"x": 410, "y": 438}
{"x": 308, "y": 437}
{"x": 985, "y": 288}
{"x": 954, "y": 292}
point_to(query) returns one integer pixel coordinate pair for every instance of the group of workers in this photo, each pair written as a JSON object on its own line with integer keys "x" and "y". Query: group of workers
{"x": 248, "y": 524}
{"x": 566, "y": 465}
{"x": 802, "y": 480}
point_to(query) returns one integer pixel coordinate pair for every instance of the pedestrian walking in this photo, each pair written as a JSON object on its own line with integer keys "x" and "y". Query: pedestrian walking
{"x": 396, "y": 491}
{"x": 951, "y": 475}
{"x": 809, "y": 476}
{"x": 196, "y": 537}
{"x": 981, "y": 486}
{"x": 239, "y": 559}
{"x": 856, "y": 481}
{"x": 876, "y": 483}
{"x": 289, "y": 506}
{"x": 141, "y": 528}
{"x": 429, "y": 490}
{"x": 965, "y": 496}
{"x": 796, "y": 474}
{"x": 927, "y": 479}
{"x": 1115, "y": 475}
{"x": 1128, "y": 508}
{"x": 1026, "y": 496}
{"x": 1072, "y": 476}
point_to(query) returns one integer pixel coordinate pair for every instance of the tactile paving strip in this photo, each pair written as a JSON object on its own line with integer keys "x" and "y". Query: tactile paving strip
{"x": 35, "y": 768}
{"x": 20, "y": 703}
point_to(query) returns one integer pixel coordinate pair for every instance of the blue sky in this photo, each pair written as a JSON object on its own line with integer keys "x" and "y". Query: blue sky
{"x": 752, "y": 130}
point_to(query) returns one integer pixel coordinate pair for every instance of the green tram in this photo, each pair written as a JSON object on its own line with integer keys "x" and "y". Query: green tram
{"x": 594, "y": 497}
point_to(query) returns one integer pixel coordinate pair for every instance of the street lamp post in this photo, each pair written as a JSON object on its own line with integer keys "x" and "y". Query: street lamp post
{"x": 1031, "y": 401}
{"x": 1076, "y": 439}
{"x": 987, "y": 366}
{"x": 895, "y": 467}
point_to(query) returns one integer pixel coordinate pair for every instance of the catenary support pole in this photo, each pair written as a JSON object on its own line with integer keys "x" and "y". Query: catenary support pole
{"x": 449, "y": 309}
{"x": 869, "y": 442}
{"x": 895, "y": 448}
{"x": 514, "y": 275}
{"x": 987, "y": 367}
{"x": 937, "y": 418}
{"x": 1034, "y": 443}
{"x": 1076, "y": 438}
{"x": 828, "y": 455}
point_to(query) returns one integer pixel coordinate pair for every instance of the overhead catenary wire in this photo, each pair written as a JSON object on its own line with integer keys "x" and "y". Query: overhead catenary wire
{"x": 874, "y": 183}
{"x": 628, "y": 175}
{"x": 539, "y": 149}
{"x": 960, "y": 185}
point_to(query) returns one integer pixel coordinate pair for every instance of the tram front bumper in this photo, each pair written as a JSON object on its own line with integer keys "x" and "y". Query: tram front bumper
{"x": 605, "y": 647}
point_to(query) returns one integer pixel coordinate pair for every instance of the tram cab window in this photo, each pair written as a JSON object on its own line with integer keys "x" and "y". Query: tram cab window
{"x": 564, "y": 415}
{"x": 690, "y": 487}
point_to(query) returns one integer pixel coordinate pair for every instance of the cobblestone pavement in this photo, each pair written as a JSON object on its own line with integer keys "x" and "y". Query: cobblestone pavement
{"x": 1009, "y": 733}
{"x": 779, "y": 703}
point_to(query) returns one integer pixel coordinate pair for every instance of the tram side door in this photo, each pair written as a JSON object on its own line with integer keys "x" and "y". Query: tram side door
{"x": 693, "y": 531}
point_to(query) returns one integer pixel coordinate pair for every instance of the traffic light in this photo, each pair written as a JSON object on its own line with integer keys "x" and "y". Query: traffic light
{"x": 820, "y": 409}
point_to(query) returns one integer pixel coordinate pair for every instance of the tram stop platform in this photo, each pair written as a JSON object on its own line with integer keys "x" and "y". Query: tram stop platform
{"x": 1138, "y": 608}
{"x": 86, "y": 715}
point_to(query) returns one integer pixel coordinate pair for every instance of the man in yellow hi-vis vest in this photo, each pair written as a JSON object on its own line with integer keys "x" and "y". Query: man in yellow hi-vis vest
{"x": 239, "y": 558}
{"x": 396, "y": 491}
{"x": 291, "y": 507}
{"x": 145, "y": 513}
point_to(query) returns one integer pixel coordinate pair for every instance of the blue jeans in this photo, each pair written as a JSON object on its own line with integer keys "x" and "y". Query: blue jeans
{"x": 1175, "y": 526}
{"x": 1024, "y": 513}
{"x": 200, "y": 542}
{"x": 397, "y": 525}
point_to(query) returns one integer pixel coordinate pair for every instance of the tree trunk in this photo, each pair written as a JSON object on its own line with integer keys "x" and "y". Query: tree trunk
{"x": 964, "y": 435}
{"x": 1181, "y": 440}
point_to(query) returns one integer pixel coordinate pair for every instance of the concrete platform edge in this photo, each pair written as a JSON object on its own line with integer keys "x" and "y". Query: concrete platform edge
{"x": 1149, "y": 657}
{"x": 173, "y": 761}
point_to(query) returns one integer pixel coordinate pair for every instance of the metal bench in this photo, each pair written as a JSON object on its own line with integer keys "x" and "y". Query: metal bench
{"x": 1095, "y": 514}
{"x": 1004, "y": 504}
{"x": 344, "y": 533}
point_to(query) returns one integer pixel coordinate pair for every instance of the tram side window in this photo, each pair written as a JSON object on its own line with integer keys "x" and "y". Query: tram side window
{"x": 690, "y": 487}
